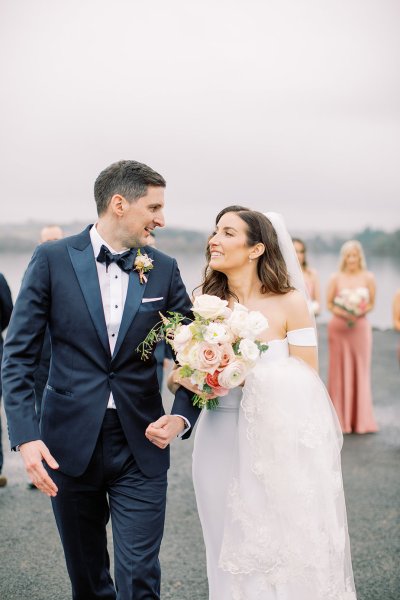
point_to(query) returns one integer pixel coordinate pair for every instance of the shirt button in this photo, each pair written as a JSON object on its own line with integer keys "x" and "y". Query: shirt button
{"x": 116, "y": 306}
{"x": 116, "y": 277}
{"x": 113, "y": 335}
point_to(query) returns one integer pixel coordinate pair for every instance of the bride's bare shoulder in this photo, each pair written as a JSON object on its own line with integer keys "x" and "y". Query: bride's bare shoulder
{"x": 294, "y": 299}
{"x": 296, "y": 309}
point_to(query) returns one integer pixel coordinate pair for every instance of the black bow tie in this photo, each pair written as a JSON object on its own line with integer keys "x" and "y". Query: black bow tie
{"x": 123, "y": 260}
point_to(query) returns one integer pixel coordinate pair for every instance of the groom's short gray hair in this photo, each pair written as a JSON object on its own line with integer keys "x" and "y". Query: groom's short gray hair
{"x": 128, "y": 178}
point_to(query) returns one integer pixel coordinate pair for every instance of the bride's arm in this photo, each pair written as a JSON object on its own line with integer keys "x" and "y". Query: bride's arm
{"x": 171, "y": 380}
{"x": 298, "y": 317}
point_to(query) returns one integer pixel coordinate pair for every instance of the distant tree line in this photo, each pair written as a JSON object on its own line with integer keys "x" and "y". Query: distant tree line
{"x": 23, "y": 238}
{"x": 374, "y": 241}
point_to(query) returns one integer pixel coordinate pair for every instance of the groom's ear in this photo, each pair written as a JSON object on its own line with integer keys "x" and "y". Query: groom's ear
{"x": 117, "y": 205}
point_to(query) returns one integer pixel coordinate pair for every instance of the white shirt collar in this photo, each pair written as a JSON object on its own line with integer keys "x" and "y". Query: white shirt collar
{"x": 98, "y": 242}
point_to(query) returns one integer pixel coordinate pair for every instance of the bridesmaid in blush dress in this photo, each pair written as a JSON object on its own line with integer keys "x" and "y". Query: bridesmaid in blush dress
{"x": 350, "y": 341}
{"x": 310, "y": 275}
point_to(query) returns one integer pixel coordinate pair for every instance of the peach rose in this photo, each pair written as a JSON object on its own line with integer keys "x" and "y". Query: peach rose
{"x": 227, "y": 355}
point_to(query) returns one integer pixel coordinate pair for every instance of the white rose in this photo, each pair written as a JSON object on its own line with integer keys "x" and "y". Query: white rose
{"x": 245, "y": 323}
{"x": 249, "y": 351}
{"x": 233, "y": 375}
{"x": 256, "y": 323}
{"x": 209, "y": 307}
{"x": 215, "y": 333}
{"x": 189, "y": 355}
{"x": 181, "y": 337}
{"x": 237, "y": 322}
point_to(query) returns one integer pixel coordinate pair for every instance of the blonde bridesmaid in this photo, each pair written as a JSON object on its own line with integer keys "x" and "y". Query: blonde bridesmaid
{"x": 351, "y": 295}
{"x": 396, "y": 318}
{"x": 310, "y": 275}
{"x": 396, "y": 311}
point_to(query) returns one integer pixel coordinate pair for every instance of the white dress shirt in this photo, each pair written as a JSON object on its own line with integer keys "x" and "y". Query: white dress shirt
{"x": 113, "y": 287}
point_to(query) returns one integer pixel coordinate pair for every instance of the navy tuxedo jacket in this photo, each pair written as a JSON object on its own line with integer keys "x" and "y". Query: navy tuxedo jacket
{"x": 61, "y": 289}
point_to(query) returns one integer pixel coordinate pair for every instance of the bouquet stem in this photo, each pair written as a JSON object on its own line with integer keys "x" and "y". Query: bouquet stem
{"x": 210, "y": 404}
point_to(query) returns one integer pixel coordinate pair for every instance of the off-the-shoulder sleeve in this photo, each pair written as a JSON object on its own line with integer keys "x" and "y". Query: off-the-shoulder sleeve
{"x": 302, "y": 337}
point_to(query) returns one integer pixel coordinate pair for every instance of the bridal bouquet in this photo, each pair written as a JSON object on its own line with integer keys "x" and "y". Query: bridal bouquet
{"x": 355, "y": 301}
{"x": 216, "y": 350}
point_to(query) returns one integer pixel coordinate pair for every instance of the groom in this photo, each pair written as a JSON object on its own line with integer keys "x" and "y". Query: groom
{"x": 91, "y": 455}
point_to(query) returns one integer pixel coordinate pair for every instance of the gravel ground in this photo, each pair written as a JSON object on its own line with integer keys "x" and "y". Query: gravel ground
{"x": 31, "y": 559}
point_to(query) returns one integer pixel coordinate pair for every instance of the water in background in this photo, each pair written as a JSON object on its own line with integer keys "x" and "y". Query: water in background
{"x": 387, "y": 274}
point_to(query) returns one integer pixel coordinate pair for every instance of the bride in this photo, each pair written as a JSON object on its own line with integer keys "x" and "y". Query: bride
{"x": 266, "y": 462}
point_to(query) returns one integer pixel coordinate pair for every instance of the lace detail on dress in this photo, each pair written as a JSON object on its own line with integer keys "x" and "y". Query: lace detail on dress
{"x": 286, "y": 519}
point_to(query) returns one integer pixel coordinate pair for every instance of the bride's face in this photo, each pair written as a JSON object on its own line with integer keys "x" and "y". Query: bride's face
{"x": 228, "y": 245}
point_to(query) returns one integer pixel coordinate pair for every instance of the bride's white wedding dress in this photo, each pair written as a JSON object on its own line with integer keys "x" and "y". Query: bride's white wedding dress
{"x": 268, "y": 483}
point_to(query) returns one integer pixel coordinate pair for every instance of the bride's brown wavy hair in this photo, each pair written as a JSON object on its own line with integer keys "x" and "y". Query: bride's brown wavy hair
{"x": 271, "y": 267}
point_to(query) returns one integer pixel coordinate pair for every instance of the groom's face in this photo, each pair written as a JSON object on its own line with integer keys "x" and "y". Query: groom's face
{"x": 142, "y": 216}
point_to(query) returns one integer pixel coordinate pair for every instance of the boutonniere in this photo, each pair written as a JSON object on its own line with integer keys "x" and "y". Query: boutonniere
{"x": 143, "y": 264}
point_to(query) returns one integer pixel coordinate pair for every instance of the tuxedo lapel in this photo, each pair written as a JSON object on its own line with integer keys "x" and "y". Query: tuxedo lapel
{"x": 133, "y": 301}
{"x": 84, "y": 265}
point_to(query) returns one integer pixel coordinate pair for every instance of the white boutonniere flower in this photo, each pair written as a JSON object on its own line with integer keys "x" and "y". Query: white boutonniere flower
{"x": 143, "y": 264}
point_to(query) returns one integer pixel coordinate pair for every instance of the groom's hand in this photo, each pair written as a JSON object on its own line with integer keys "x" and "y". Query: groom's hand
{"x": 164, "y": 430}
{"x": 33, "y": 453}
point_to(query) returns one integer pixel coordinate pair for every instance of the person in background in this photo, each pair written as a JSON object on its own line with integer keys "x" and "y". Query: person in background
{"x": 396, "y": 311}
{"x": 6, "y": 306}
{"x": 162, "y": 353}
{"x": 310, "y": 275}
{"x": 49, "y": 233}
{"x": 396, "y": 318}
{"x": 351, "y": 295}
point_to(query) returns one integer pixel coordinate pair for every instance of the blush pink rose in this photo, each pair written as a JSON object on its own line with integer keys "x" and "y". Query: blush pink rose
{"x": 209, "y": 357}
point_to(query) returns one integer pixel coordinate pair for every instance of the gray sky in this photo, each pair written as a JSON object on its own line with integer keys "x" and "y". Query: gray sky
{"x": 285, "y": 105}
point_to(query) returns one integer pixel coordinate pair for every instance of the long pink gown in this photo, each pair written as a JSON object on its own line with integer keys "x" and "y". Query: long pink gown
{"x": 349, "y": 379}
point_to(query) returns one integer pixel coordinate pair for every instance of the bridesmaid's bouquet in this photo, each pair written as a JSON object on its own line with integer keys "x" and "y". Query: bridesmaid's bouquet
{"x": 353, "y": 301}
{"x": 216, "y": 350}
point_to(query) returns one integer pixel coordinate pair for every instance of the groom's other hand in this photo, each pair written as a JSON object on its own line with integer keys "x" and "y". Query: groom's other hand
{"x": 164, "y": 430}
{"x": 33, "y": 453}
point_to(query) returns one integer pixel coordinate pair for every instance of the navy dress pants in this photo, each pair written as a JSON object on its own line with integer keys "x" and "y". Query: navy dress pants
{"x": 112, "y": 484}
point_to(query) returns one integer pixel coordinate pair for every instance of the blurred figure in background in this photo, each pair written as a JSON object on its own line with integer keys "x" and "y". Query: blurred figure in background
{"x": 6, "y": 307}
{"x": 162, "y": 353}
{"x": 396, "y": 318}
{"x": 351, "y": 295}
{"x": 310, "y": 275}
{"x": 396, "y": 311}
{"x": 50, "y": 233}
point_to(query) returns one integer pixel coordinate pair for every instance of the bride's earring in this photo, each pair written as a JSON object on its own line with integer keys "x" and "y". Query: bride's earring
{"x": 250, "y": 259}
